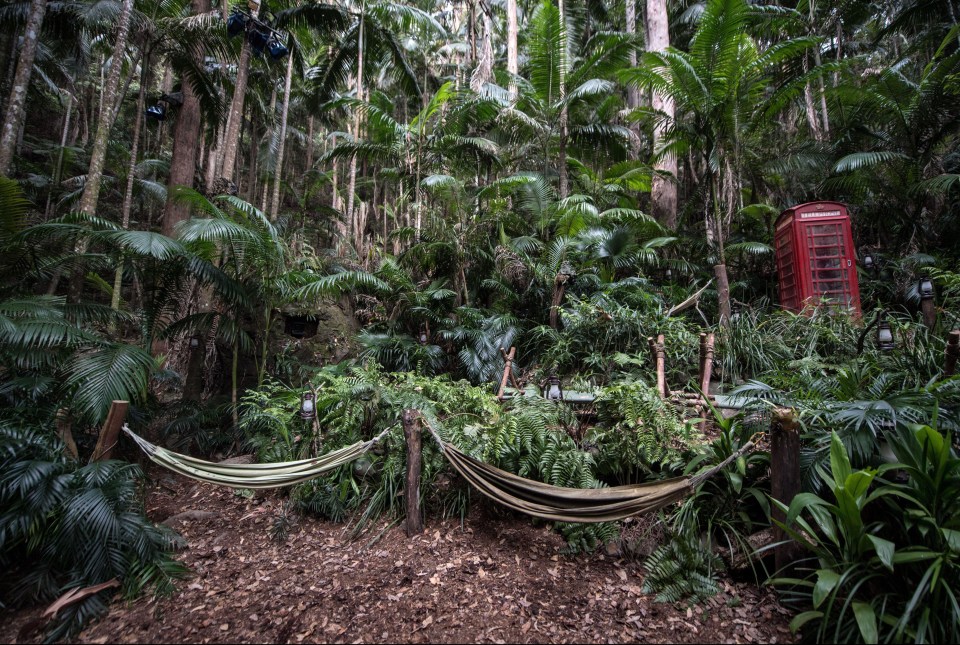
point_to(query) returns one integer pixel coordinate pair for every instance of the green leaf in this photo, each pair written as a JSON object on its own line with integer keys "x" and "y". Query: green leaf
{"x": 827, "y": 579}
{"x": 867, "y": 621}
{"x": 803, "y": 618}
{"x": 885, "y": 550}
{"x": 839, "y": 462}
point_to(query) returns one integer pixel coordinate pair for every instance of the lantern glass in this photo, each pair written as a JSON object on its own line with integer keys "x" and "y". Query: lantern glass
{"x": 157, "y": 112}
{"x": 554, "y": 392}
{"x": 925, "y": 287}
{"x": 884, "y": 336}
{"x": 194, "y": 341}
{"x": 423, "y": 338}
{"x": 307, "y": 408}
{"x": 868, "y": 262}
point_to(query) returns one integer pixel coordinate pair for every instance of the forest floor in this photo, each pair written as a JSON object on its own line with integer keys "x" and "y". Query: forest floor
{"x": 497, "y": 578}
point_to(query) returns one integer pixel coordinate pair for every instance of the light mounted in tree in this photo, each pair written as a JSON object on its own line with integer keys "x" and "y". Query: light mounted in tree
{"x": 276, "y": 49}
{"x": 884, "y": 335}
{"x": 553, "y": 391}
{"x": 157, "y": 112}
{"x": 236, "y": 23}
{"x": 925, "y": 288}
{"x": 194, "y": 342}
{"x": 424, "y": 336}
{"x": 868, "y": 263}
{"x": 308, "y": 408}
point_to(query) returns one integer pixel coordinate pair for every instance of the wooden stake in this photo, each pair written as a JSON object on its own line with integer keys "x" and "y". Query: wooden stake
{"x": 784, "y": 477}
{"x": 411, "y": 490}
{"x": 507, "y": 370}
{"x": 65, "y": 434}
{"x": 706, "y": 362}
{"x": 659, "y": 360}
{"x": 929, "y": 309}
{"x": 953, "y": 352}
{"x": 111, "y": 431}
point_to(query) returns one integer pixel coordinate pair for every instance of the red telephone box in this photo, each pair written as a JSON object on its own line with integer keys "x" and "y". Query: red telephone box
{"x": 816, "y": 263}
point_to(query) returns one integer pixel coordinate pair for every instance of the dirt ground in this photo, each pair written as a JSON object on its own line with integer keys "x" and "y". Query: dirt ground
{"x": 496, "y": 579}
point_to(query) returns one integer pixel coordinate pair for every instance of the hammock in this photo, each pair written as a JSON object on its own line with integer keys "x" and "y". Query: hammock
{"x": 252, "y": 475}
{"x": 581, "y": 505}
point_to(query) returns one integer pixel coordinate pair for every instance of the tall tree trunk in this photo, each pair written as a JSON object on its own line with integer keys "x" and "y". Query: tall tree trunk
{"x": 310, "y": 144}
{"x": 131, "y": 172}
{"x": 664, "y": 190}
{"x": 13, "y": 119}
{"x": 58, "y": 168}
{"x": 284, "y": 111}
{"x": 564, "y": 188}
{"x": 352, "y": 185}
{"x": 513, "y": 58}
{"x": 186, "y": 139}
{"x": 91, "y": 189}
{"x": 633, "y": 93}
{"x": 231, "y": 139}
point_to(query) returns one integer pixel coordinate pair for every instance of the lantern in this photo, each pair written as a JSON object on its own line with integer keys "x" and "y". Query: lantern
{"x": 814, "y": 250}
{"x": 868, "y": 263}
{"x": 884, "y": 336}
{"x": 308, "y": 408}
{"x": 194, "y": 342}
{"x": 553, "y": 391}
{"x": 276, "y": 49}
{"x": 258, "y": 37}
{"x": 925, "y": 288}
{"x": 236, "y": 23}
{"x": 157, "y": 112}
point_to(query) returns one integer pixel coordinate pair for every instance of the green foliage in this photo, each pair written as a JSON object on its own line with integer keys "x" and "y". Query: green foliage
{"x": 641, "y": 435}
{"x": 885, "y": 562}
{"x": 681, "y": 569}
{"x": 65, "y": 526}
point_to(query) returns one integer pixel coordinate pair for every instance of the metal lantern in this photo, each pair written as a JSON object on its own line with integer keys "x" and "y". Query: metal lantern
{"x": 884, "y": 336}
{"x": 157, "y": 112}
{"x": 258, "y": 38}
{"x": 308, "y": 408}
{"x": 925, "y": 288}
{"x": 276, "y": 49}
{"x": 868, "y": 263}
{"x": 236, "y": 23}
{"x": 553, "y": 391}
{"x": 668, "y": 274}
{"x": 194, "y": 342}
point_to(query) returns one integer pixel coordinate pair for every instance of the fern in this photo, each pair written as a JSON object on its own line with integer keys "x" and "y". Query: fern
{"x": 681, "y": 569}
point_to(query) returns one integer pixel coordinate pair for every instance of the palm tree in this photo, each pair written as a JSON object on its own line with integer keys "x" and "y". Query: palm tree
{"x": 721, "y": 92}
{"x": 13, "y": 118}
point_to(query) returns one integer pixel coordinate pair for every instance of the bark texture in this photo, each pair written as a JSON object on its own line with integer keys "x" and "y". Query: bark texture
{"x": 13, "y": 118}
{"x": 186, "y": 139}
{"x": 231, "y": 140}
{"x": 664, "y": 190}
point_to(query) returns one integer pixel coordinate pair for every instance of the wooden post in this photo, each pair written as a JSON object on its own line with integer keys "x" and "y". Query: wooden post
{"x": 111, "y": 431}
{"x": 507, "y": 370}
{"x": 65, "y": 434}
{"x": 411, "y": 490}
{"x": 784, "y": 476}
{"x": 706, "y": 362}
{"x": 659, "y": 360}
{"x": 929, "y": 309}
{"x": 953, "y": 351}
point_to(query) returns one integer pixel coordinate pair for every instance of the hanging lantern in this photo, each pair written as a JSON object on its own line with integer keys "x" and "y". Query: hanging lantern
{"x": 157, "y": 112}
{"x": 276, "y": 49}
{"x": 308, "y": 408}
{"x": 868, "y": 263}
{"x": 553, "y": 391}
{"x": 236, "y": 23}
{"x": 668, "y": 274}
{"x": 925, "y": 288}
{"x": 258, "y": 38}
{"x": 884, "y": 336}
{"x": 194, "y": 342}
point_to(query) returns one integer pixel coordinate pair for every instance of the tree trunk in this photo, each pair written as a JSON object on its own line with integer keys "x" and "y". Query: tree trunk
{"x": 633, "y": 93}
{"x": 352, "y": 185}
{"x": 723, "y": 292}
{"x": 284, "y": 111}
{"x": 58, "y": 168}
{"x": 186, "y": 138}
{"x": 13, "y": 119}
{"x": 91, "y": 189}
{"x": 513, "y": 58}
{"x": 231, "y": 139}
{"x": 664, "y": 190}
{"x": 131, "y": 172}
{"x": 562, "y": 153}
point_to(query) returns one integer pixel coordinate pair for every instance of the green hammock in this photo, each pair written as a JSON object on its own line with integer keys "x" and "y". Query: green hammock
{"x": 580, "y": 505}
{"x": 252, "y": 475}
{"x": 553, "y": 503}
